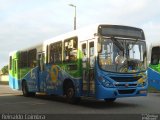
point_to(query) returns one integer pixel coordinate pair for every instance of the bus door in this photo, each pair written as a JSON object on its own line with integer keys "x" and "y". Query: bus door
{"x": 88, "y": 61}
{"x": 41, "y": 73}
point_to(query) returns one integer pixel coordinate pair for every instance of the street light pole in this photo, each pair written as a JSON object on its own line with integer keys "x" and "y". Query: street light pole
{"x": 74, "y": 15}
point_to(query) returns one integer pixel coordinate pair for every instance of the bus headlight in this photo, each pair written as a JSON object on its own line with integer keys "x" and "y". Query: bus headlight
{"x": 142, "y": 82}
{"x": 105, "y": 82}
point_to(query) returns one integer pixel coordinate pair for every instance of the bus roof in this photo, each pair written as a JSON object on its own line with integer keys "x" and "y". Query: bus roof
{"x": 38, "y": 46}
{"x": 89, "y": 32}
{"x": 84, "y": 33}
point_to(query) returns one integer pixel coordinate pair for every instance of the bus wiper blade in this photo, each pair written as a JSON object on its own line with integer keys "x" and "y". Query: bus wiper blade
{"x": 116, "y": 42}
{"x": 133, "y": 44}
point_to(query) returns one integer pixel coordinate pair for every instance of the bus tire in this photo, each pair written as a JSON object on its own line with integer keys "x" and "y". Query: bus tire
{"x": 70, "y": 94}
{"x": 25, "y": 91}
{"x": 109, "y": 100}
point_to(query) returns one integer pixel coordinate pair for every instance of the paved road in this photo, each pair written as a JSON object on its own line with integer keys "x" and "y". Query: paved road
{"x": 13, "y": 102}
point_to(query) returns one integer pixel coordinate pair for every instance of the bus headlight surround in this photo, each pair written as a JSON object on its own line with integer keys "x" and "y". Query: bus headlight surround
{"x": 105, "y": 82}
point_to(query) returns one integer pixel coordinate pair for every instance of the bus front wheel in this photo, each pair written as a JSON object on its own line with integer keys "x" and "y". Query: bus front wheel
{"x": 70, "y": 94}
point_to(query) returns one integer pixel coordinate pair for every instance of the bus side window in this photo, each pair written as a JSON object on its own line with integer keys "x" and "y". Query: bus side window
{"x": 70, "y": 49}
{"x": 41, "y": 61}
{"x": 51, "y": 54}
{"x": 32, "y": 58}
{"x": 84, "y": 52}
{"x": 155, "y": 55}
{"x": 15, "y": 66}
{"x": 47, "y": 54}
{"x": 56, "y": 52}
{"x": 10, "y": 62}
{"x": 155, "y": 60}
{"x": 91, "y": 54}
{"x": 23, "y": 62}
{"x": 84, "y": 55}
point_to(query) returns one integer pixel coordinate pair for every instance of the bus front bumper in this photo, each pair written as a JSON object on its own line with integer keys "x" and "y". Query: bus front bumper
{"x": 105, "y": 93}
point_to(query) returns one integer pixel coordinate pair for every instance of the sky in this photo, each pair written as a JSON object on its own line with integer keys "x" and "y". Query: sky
{"x": 24, "y": 23}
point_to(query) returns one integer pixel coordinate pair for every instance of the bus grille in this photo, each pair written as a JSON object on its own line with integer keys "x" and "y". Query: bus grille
{"x": 126, "y": 91}
{"x": 123, "y": 85}
{"x": 126, "y": 79}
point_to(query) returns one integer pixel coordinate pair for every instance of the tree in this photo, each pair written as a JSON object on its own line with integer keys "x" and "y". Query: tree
{"x": 5, "y": 70}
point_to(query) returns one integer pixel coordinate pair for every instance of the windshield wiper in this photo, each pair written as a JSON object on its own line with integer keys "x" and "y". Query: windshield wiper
{"x": 117, "y": 43}
{"x": 133, "y": 44}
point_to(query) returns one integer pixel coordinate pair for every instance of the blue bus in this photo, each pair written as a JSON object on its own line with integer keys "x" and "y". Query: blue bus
{"x": 101, "y": 61}
{"x": 154, "y": 66}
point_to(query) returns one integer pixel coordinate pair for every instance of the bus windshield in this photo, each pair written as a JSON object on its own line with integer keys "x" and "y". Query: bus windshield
{"x": 122, "y": 55}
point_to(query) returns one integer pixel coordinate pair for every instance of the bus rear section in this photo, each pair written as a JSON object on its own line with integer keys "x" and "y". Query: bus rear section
{"x": 154, "y": 68}
{"x": 14, "y": 80}
{"x": 22, "y": 63}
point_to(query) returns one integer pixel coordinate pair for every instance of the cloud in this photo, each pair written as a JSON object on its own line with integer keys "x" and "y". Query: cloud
{"x": 120, "y": 12}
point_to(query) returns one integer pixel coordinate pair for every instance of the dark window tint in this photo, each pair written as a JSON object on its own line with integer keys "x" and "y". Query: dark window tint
{"x": 155, "y": 55}
{"x": 10, "y": 62}
{"x": 32, "y": 58}
{"x": 23, "y": 59}
{"x": 56, "y": 52}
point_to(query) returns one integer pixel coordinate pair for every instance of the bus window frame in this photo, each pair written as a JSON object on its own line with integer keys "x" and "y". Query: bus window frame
{"x": 32, "y": 57}
{"x": 67, "y": 51}
{"x": 10, "y": 63}
{"x": 155, "y": 53}
{"x": 23, "y": 55}
{"x": 51, "y": 57}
